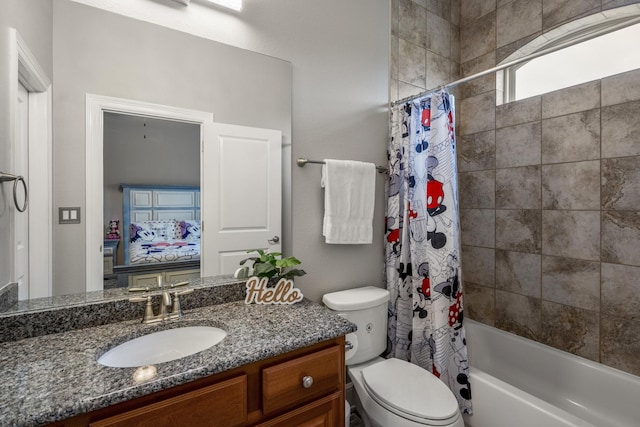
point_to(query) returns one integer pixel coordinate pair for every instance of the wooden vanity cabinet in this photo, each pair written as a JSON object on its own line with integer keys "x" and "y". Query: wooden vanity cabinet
{"x": 268, "y": 393}
{"x": 224, "y": 402}
{"x": 283, "y": 384}
{"x": 325, "y": 412}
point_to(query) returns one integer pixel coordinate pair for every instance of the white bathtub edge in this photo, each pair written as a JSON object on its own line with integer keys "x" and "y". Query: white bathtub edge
{"x": 498, "y": 404}
{"x": 589, "y": 390}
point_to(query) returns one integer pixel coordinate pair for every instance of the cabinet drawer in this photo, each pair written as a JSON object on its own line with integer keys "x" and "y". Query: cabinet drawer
{"x": 218, "y": 405}
{"x": 282, "y": 384}
{"x": 325, "y": 412}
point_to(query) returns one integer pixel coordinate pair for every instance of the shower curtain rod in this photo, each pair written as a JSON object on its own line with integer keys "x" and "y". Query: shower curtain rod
{"x": 534, "y": 55}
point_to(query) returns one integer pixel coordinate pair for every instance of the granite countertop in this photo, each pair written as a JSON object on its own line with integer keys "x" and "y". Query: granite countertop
{"x": 53, "y": 377}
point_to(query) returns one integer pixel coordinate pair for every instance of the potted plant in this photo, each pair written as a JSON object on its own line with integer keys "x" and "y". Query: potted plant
{"x": 273, "y": 266}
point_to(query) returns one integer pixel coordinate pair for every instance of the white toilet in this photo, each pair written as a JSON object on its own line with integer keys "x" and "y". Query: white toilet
{"x": 389, "y": 392}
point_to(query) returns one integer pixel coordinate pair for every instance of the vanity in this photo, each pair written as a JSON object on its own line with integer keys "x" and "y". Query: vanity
{"x": 279, "y": 365}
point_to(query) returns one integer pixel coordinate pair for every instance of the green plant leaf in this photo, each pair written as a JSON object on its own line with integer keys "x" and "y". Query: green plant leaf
{"x": 271, "y": 264}
{"x": 294, "y": 273}
{"x": 287, "y": 262}
{"x": 253, "y": 259}
{"x": 264, "y": 270}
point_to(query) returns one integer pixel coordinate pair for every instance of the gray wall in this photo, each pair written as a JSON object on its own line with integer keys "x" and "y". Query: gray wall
{"x": 102, "y": 53}
{"x": 340, "y": 56}
{"x": 32, "y": 19}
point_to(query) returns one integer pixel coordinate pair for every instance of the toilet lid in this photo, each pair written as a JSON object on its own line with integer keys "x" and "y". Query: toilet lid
{"x": 409, "y": 391}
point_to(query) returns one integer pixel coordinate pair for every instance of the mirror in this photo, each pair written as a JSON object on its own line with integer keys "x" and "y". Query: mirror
{"x": 147, "y": 63}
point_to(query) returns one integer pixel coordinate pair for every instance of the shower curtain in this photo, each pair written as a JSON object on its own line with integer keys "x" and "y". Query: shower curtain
{"x": 423, "y": 243}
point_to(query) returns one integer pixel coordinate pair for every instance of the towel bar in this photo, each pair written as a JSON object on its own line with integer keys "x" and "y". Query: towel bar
{"x": 302, "y": 161}
{"x": 4, "y": 177}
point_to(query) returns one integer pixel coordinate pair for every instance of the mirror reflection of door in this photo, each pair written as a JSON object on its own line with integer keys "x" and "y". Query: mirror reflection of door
{"x": 242, "y": 184}
{"x": 155, "y": 154}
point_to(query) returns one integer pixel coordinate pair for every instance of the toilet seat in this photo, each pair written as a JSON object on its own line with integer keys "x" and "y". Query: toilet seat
{"x": 410, "y": 392}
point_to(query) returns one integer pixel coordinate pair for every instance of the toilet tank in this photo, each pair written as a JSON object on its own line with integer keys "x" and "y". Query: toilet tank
{"x": 367, "y": 308}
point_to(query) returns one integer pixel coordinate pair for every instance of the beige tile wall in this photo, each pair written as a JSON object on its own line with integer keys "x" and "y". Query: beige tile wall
{"x": 549, "y": 186}
{"x": 550, "y": 193}
{"x": 425, "y": 45}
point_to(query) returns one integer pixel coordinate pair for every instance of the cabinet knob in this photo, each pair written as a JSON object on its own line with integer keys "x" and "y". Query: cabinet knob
{"x": 307, "y": 381}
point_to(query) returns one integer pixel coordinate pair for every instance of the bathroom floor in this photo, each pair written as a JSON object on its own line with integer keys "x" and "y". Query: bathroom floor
{"x": 355, "y": 420}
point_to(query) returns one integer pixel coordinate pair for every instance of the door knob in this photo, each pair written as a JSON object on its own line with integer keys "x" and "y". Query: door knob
{"x": 274, "y": 240}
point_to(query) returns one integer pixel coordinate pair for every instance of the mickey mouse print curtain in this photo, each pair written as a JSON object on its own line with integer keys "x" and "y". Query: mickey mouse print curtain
{"x": 423, "y": 243}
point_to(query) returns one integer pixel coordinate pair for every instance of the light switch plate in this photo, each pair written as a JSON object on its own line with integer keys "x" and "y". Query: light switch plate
{"x": 69, "y": 215}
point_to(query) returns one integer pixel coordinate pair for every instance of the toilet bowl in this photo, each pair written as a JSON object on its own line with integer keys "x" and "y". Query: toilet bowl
{"x": 388, "y": 392}
{"x": 396, "y": 393}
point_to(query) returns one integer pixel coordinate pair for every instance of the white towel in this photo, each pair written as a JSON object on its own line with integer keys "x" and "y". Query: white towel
{"x": 349, "y": 196}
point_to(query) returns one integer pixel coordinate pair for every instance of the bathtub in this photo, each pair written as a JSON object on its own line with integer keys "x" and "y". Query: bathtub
{"x": 519, "y": 382}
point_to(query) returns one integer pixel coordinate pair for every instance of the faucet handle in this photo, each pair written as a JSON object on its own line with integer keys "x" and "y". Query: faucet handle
{"x": 139, "y": 289}
{"x": 185, "y": 292}
{"x": 148, "y": 310}
{"x": 176, "y": 310}
{"x": 175, "y": 285}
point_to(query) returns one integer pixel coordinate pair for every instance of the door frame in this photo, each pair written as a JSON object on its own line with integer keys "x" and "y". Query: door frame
{"x": 26, "y": 70}
{"x": 96, "y": 106}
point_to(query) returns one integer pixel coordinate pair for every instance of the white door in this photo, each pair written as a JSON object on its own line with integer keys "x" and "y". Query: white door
{"x": 241, "y": 194}
{"x": 21, "y": 219}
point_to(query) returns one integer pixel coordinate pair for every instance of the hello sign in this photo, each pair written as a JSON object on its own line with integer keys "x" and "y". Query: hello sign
{"x": 282, "y": 293}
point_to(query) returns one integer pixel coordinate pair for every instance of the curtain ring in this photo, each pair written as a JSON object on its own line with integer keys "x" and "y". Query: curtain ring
{"x": 15, "y": 193}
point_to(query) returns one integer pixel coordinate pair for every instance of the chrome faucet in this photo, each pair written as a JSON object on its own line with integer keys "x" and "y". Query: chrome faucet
{"x": 169, "y": 303}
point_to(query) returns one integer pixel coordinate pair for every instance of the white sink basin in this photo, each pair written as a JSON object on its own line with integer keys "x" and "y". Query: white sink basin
{"x": 163, "y": 346}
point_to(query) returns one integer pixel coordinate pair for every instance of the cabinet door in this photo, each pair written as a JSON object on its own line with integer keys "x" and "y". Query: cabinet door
{"x": 219, "y": 405}
{"x": 142, "y": 280}
{"x": 181, "y": 275}
{"x": 325, "y": 412}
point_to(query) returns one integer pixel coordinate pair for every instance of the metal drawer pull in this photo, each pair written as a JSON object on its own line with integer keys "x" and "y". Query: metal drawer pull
{"x": 307, "y": 381}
